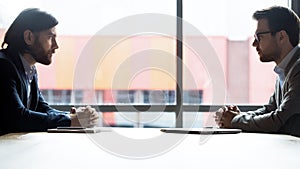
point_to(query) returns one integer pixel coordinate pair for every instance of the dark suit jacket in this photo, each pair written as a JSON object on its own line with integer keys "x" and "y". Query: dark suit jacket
{"x": 14, "y": 114}
{"x": 282, "y": 113}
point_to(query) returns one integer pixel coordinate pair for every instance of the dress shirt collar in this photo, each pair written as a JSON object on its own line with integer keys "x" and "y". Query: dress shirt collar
{"x": 282, "y": 66}
{"x": 30, "y": 71}
{"x": 285, "y": 61}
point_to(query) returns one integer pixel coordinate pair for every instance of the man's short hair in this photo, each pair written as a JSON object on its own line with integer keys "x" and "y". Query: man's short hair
{"x": 31, "y": 19}
{"x": 281, "y": 18}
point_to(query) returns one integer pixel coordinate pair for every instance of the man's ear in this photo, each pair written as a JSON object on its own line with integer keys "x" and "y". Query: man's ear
{"x": 283, "y": 35}
{"x": 28, "y": 37}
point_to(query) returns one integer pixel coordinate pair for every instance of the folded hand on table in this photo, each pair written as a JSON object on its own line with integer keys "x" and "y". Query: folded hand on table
{"x": 224, "y": 116}
{"x": 84, "y": 117}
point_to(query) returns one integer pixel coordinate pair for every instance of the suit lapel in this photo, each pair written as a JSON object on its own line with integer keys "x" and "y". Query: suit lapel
{"x": 23, "y": 78}
{"x": 278, "y": 91}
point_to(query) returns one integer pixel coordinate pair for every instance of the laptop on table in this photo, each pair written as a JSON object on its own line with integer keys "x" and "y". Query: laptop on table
{"x": 205, "y": 130}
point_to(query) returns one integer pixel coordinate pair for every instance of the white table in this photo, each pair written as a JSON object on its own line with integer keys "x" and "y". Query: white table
{"x": 147, "y": 148}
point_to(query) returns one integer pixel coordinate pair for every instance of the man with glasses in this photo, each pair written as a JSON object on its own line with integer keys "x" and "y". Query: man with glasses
{"x": 276, "y": 39}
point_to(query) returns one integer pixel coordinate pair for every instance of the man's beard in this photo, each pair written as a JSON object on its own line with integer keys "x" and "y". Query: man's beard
{"x": 39, "y": 55}
{"x": 265, "y": 58}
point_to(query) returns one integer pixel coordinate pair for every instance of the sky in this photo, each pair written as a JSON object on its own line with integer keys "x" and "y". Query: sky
{"x": 231, "y": 18}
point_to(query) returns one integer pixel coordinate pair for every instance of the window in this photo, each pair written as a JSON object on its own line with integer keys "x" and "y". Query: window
{"x": 110, "y": 55}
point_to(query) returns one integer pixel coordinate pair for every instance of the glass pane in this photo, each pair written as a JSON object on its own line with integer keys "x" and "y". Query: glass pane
{"x": 139, "y": 119}
{"x": 219, "y": 59}
{"x": 198, "y": 119}
{"x": 157, "y": 119}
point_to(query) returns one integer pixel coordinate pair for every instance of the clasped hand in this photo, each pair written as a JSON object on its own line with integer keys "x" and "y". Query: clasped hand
{"x": 224, "y": 116}
{"x": 84, "y": 117}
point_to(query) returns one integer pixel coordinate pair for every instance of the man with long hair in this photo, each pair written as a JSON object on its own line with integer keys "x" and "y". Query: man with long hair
{"x": 30, "y": 39}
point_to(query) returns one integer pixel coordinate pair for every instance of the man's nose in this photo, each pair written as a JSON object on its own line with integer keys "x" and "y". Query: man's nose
{"x": 255, "y": 43}
{"x": 55, "y": 45}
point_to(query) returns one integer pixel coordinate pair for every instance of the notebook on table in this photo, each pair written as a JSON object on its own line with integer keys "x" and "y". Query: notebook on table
{"x": 201, "y": 130}
{"x": 78, "y": 130}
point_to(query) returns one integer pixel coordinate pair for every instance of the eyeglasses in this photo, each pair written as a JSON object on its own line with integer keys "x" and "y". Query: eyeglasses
{"x": 257, "y": 35}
